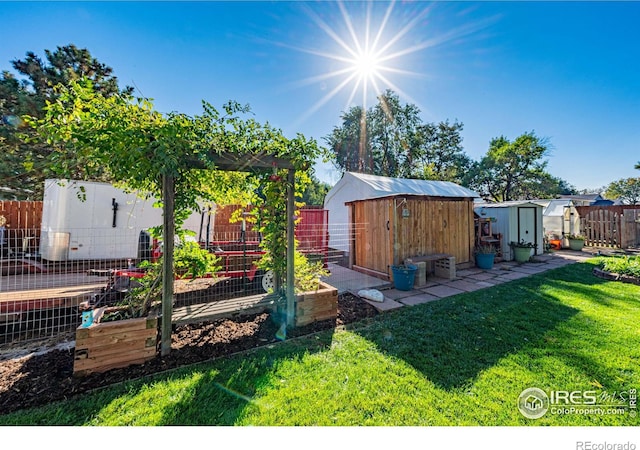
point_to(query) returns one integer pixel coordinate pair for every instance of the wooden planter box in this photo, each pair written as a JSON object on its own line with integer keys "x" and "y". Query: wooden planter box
{"x": 313, "y": 306}
{"x": 110, "y": 345}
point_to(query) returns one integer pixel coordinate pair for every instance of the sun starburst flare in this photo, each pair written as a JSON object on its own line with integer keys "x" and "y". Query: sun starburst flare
{"x": 372, "y": 51}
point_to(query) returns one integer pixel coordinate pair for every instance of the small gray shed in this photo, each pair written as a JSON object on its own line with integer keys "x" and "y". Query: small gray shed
{"x": 515, "y": 221}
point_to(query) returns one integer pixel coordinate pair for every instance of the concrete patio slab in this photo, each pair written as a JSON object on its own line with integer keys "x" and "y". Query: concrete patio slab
{"x": 486, "y": 284}
{"x": 346, "y": 280}
{"x": 442, "y": 291}
{"x": 418, "y": 299}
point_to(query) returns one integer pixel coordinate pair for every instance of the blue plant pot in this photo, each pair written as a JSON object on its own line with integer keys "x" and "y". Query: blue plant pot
{"x": 485, "y": 260}
{"x": 404, "y": 277}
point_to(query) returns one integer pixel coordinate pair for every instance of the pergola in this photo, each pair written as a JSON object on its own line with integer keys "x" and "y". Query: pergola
{"x": 226, "y": 162}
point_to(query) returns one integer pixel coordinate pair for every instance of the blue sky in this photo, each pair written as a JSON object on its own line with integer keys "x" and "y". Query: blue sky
{"x": 569, "y": 71}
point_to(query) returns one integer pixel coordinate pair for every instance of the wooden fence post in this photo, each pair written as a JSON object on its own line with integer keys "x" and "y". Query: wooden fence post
{"x": 168, "y": 233}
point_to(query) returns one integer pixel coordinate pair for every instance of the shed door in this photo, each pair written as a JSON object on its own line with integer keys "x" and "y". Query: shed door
{"x": 527, "y": 225}
{"x": 372, "y": 228}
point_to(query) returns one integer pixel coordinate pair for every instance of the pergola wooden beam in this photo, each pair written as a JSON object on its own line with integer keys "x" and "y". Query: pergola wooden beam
{"x": 233, "y": 163}
{"x": 246, "y": 163}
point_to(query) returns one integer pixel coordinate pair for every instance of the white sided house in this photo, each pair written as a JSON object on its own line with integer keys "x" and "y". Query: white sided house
{"x": 357, "y": 186}
{"x": 514, "y": 221}
{"x": 84, "y": 220}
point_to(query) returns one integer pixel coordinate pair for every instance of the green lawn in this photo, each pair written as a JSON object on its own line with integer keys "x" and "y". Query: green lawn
{"x": 463, "y": 360}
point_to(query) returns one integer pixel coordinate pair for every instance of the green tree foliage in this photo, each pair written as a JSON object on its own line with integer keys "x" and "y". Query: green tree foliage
{"x": 392, "y": 131}
{"x": 515, "y": 170}
{"x": 315, "y": 192}
{"x": 26, "y": 160}
{"x": 390, "y": 139}
{"x": 62, "y": 66}
{"x": 440, "y": 153}
{"x": 627, "y": 190}
{"x": 137, "y": 146}
{"x": 349, "y": 143}
{"x": 18, "y": 159}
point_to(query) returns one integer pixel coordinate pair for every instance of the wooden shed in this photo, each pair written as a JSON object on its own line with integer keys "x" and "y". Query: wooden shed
{"x": 387, "y": 230}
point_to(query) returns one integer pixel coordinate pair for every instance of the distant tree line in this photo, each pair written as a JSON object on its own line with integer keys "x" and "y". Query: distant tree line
{"x": 26, "y": 161}
{"x": 390, "y": 139}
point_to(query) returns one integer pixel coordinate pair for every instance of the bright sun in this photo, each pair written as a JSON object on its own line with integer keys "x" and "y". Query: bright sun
{"x": 367, "y": 54}
{"x": 372, "y": 49}
{"x": 367, "y": 66}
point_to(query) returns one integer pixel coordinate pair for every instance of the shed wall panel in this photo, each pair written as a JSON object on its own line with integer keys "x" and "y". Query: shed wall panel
{"x": 427, "y": 226}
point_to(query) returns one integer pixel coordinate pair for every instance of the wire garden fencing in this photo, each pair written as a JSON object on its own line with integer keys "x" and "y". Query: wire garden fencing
{"x": 42, "y": 298}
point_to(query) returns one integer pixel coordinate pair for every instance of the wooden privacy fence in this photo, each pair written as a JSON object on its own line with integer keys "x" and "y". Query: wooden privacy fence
{"x": 22, "y": 225}
{"x": 610, "y": 226}
{"x": 21, "y": 215}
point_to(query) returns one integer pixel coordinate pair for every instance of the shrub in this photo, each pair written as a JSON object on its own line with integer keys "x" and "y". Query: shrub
{"x": 623, "y": 265}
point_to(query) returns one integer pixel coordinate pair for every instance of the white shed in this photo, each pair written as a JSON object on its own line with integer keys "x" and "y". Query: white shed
{"x": 515, "y": 221}
{"x": 357, "y": 186}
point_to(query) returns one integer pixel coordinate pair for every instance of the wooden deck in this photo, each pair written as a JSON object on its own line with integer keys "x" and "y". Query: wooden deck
{"x": 64, "y": 291}
{"x": 223, "y": 308}
{"x": 38, "y": 299}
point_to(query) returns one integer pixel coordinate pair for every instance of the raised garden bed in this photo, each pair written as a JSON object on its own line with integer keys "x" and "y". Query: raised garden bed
{"x": 616, "y": 276}
{"x": 111, "y": 345}
{"x": 314, "y": 306}
{"x": 38, "y": 378}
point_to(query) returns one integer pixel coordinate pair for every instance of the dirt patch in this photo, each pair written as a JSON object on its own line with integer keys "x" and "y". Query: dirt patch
{"x": 44, "y": 375}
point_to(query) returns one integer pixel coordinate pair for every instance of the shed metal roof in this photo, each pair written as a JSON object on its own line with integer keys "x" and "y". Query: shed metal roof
{"x": 386, "y": 186}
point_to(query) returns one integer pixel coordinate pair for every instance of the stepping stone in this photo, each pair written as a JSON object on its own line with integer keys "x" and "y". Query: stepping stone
{"x": 418, "y": 299}
{"x": 486, "y": 284}
{"x": 395, "y": 294}
{"x": 428, "y": 284}
{"x": 482, "y": 276}
{"x": 466, "y": 272}
{"x": 464, "y": 285}
{"x": 500, "y": 280}
{"x": 443, "y": 291}
{"x": 387, "y": 305}
{"x": 529, "y": 269}
{"x": 513, "y": 275}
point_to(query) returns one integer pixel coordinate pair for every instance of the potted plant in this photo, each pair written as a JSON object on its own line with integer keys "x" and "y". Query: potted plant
{"x": 485, "y": 256}
{"x": 522, "y": 250}
{"x": 404, "y": 276}
{"x": 576, "y": 241}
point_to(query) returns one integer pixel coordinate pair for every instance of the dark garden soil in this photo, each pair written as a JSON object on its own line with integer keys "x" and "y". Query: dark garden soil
{"x": 44, "y": 377}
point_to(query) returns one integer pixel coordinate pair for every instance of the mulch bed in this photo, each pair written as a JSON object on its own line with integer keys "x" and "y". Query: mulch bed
{"x": 42, "y": 378}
